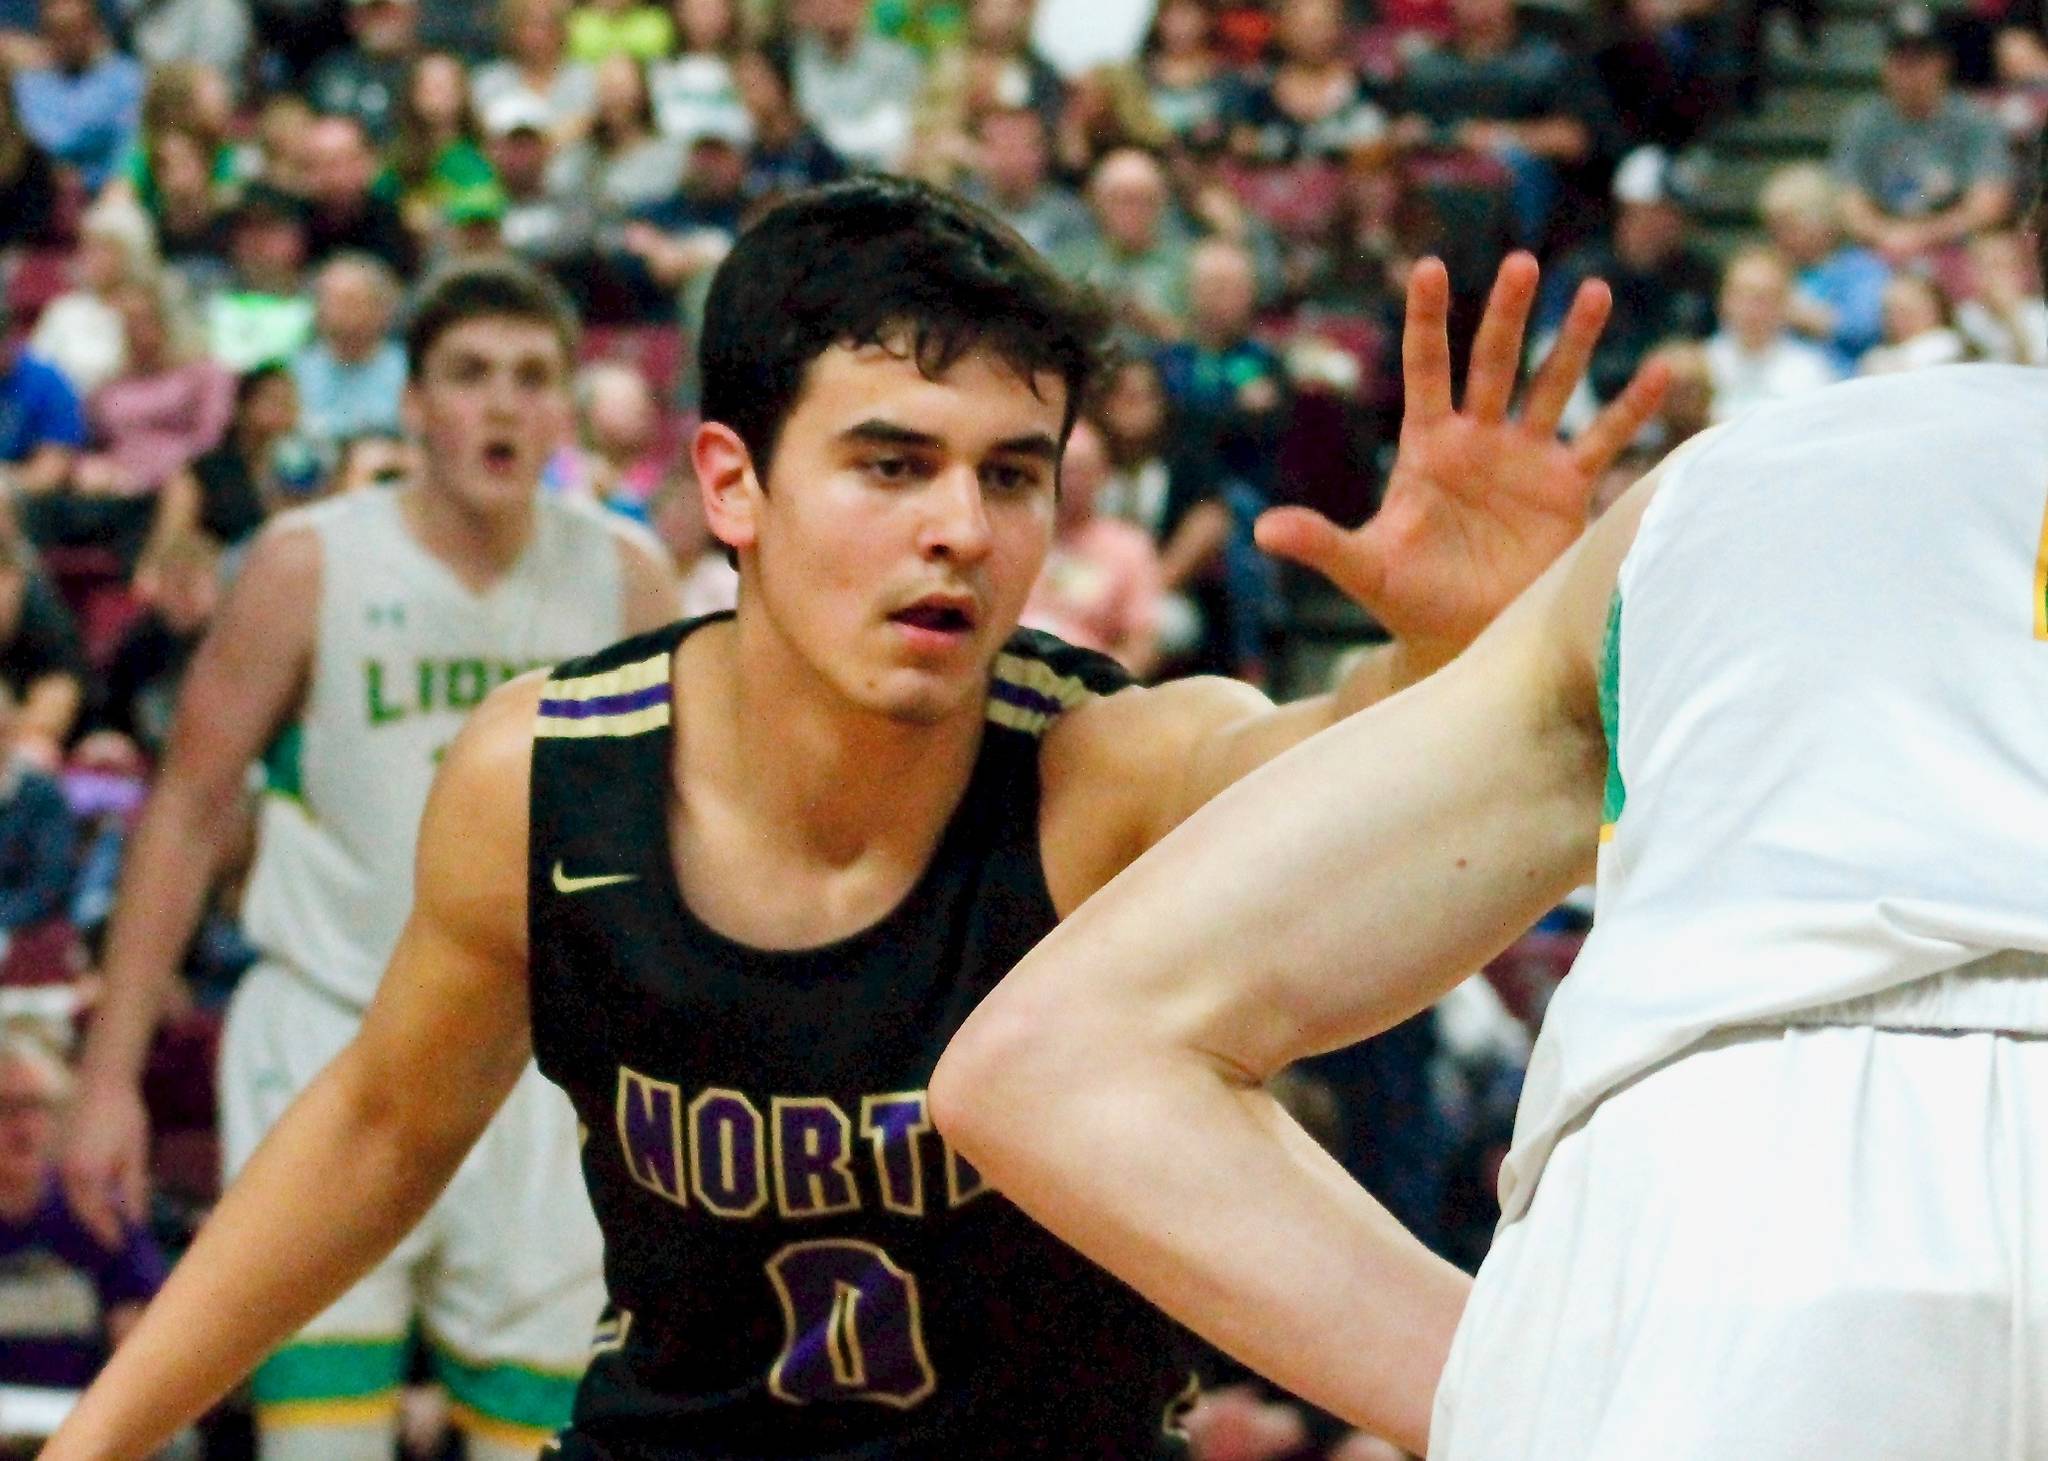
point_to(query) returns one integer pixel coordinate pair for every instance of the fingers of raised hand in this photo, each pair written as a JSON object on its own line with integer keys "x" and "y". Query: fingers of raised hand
{"x": 1565, "y": 366}
{"x": 1614, "y": 428}
{"x": 1497, "y": 348}
{"x": 1426, "y": 342}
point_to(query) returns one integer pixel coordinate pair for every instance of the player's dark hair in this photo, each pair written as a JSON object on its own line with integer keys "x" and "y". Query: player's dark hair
{"x": 487, "y": 289}
{"x": 882, "y": 260}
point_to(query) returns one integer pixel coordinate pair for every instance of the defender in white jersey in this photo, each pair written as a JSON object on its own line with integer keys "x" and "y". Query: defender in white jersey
{"x": 360, "y": 635}
{"x": 1778, "y": 1182}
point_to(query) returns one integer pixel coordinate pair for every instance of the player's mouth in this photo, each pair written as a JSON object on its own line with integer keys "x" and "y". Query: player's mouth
{"x": 500, "y": 456}
{"x": 937, "y": 621}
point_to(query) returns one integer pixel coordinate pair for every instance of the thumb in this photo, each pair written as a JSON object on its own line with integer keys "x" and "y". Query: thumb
{"x": 1351, "y": 561}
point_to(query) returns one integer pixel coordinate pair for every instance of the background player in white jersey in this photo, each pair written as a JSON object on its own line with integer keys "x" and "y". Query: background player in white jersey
{"x": 358, "y": 637}
{"x": 1779, "y": 1175}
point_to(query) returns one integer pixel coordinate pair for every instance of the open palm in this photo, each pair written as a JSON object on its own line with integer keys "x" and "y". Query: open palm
{"x": 1479, "y": 502}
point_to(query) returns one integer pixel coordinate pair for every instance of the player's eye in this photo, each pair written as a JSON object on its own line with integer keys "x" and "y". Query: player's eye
{"x": 891, "y": 468}
{"x": 1011, "y": 479}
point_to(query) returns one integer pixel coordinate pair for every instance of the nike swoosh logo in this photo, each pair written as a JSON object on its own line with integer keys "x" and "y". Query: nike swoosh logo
{"x": 566, "y": 884}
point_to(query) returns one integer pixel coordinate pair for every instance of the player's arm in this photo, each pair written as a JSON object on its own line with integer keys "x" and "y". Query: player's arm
{"x": 357, "y": 1159}
{"x": 1111, "y": 1085}
{"x": 247, "y": 675}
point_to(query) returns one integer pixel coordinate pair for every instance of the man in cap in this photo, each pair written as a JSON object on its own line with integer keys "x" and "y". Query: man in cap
{"x": 1924, "y": 168}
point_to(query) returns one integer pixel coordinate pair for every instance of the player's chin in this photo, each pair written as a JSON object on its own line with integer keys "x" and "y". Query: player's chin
{"x": 926, "y": 697}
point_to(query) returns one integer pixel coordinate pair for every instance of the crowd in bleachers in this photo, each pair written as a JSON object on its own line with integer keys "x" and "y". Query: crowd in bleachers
{"x": 213, "y": 212}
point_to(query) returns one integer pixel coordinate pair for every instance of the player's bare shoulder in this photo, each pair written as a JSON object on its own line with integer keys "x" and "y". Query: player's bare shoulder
{"x": 1114, "y": 768}
{"x": 471, "y": 876}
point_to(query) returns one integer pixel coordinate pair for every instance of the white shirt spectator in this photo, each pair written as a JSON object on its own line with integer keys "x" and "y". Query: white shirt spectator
{"x": 861, "y": 101}
{"x": 1745, "y": 379}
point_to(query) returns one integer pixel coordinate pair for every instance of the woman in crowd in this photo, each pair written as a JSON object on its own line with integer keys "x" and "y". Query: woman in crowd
{"x": 80, "y": 332}
{"x": 695, "y": 92}
{"x": 536, "y": 62}
{"x": 1192, "y": 91}
{"x": 438, "y": 158}
{"x": 187, "y": 97}
{"x": 169, "y": 406}
{"x": 252, "y": 472}
{"x": 1312, "y": 103}
{"x": 624, "y": 163}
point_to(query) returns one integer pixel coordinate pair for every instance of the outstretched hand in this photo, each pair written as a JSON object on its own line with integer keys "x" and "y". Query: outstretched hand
{"x": 1479, "y": 502}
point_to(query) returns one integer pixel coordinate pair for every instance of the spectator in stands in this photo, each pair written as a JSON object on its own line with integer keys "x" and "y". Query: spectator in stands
{"x": 438, "y": 158}
{"x": 540, "y": 222}
{"x": 216, "y": 34}
{"x": 367, "y": 80}
{"x": 1107, "y": 110}
{"x": 279, "y": 143}
{"x": 351, "y": 376}
{"x": 1382, "y": 224}
{"x": 82, "y": 107}
{"x": 854, "y": 86}
{"x": 35, "y": 851}
{"x": 74, "y": 1293}
{"x": 42, "y": 664}
{"x": 28, "y": 179}
{"x": 347, "y": 214}
{"x": 1228, "y": 390}
{"x": 1313, "y": 103}
{"x": 1837, "y": 286}
{"x": 2005, "y": 318}
{"x": 995, "y": 66}
{"x": 1521, "y": 99}
{"x": 80, "y": 332}
{"x": 1166, "y": 486}
{"x": 788, "y": 154}
{"x": 1136, "y": 253}
{"x": 263, "y": 313}
{"x": 1192, "y": 92}
{"x": 1924, "y": 168}
{"x": 371, "y": 462}
{"x": 625, "y": 163}
{"x": 130, "y": 719}
{"x": 1919, "y": 328}
{"x": 1100, "y": 585}
{"x": 42, "y": 421}
{"x": 240, "y": 483}
{"x": 1668, "y": 69}
{"x": 536, "y": 68}
{"x": 673, "y": 245}
{"x": 709, "y": 582}
{"x": 601, "y": 29}
{"x": 1012, "y": 178}
{"x": 1664, "y": 288}
{"x": 188, "y": 98}
{"x": 1755, "y": 358}
{"x": 193, "y": 231}
{"x": 619, "y": 423}
{"x": 696, "y": 92}
{"x": 170, "y": 405}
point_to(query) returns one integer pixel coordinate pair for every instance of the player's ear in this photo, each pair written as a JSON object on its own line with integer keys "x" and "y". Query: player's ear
{"x": 731, "y": 490}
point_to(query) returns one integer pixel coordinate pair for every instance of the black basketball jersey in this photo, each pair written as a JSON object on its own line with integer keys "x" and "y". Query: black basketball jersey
{"x": 797, "y": 1264}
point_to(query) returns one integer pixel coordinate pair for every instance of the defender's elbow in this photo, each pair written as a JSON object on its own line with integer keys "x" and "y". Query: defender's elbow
{"x": 994, "y": 1077}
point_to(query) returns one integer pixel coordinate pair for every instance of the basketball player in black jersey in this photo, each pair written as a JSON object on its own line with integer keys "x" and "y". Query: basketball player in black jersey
{"x": 736, "y": 883}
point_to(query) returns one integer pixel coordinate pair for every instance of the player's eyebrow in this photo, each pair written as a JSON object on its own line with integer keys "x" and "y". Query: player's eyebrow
{"x": 875, "y": 432}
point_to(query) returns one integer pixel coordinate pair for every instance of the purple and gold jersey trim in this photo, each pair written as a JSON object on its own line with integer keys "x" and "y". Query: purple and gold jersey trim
{"x": 627, "y": 701}
{"x": 1028, "y": 695}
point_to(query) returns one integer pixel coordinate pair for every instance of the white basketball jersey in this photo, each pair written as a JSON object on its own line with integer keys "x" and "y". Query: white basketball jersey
{"x": 1826, "y": 693}
{"x": 404, "y": 653}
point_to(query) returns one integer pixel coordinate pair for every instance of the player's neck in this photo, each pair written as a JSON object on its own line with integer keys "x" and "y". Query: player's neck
{"x": 837, "y": 780}
{"x": 477, "y": 547}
